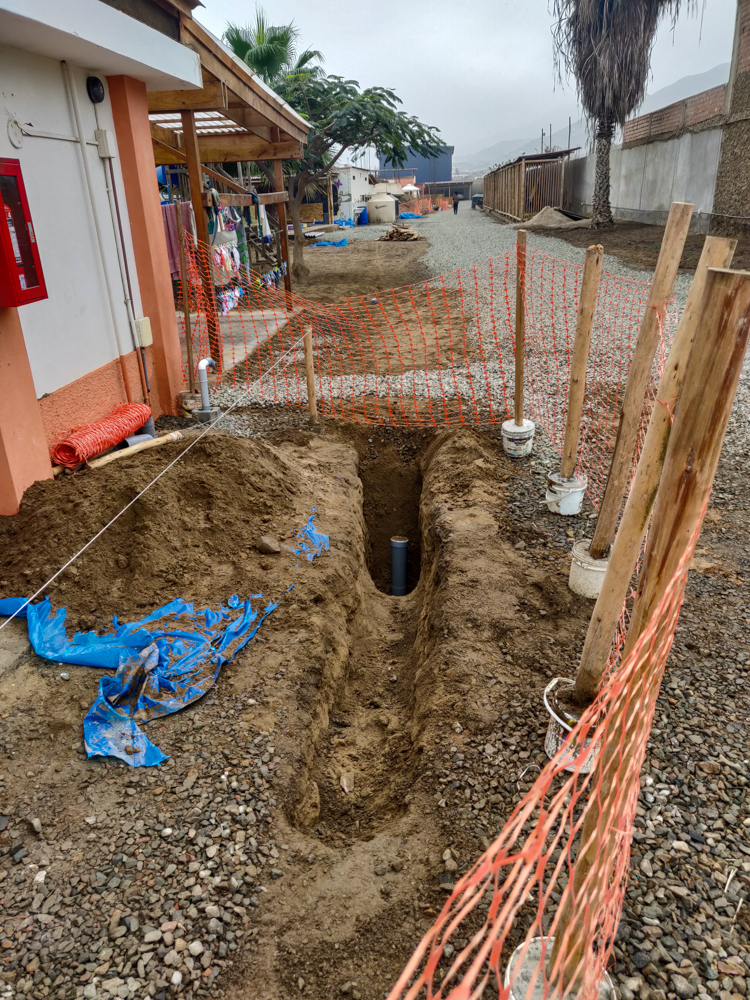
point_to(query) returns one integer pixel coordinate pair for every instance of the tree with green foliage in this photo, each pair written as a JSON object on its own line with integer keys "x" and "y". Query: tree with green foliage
{"x": 343, "y": 118}
{"x": 607, "y": 45}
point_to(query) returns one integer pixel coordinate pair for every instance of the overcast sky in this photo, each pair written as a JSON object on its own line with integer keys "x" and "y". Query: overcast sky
{"x": 477, "y": 71}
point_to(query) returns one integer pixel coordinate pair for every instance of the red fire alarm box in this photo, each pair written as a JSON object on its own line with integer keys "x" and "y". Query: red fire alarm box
{"x": 21, "y": 278}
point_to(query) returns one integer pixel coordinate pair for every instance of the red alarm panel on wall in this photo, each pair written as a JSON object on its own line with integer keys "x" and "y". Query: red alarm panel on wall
{"x": 21, "y": 278}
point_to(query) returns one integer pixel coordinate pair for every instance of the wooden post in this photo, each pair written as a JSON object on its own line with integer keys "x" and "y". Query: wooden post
{"x": 330, "y": 200}
{"x": 700, "y": 423}
{"x": 278, "y": 183}
{"x": 522, "y": 192}
{"x": 520, "y": 323}
{"x": 185, "y": 298}
{"x": 592, "y": 271}
{"x": 192, "y": 155}
{"x": 640, "y": 372}
{"x": 310, "y": 372}
{"x": 717, "y": 252}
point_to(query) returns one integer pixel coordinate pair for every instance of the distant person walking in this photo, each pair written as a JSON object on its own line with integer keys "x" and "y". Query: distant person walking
{"x": 456, "y": 200}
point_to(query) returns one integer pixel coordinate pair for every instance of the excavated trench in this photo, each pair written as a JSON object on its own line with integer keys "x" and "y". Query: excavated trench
{"x": 364, "y": 762}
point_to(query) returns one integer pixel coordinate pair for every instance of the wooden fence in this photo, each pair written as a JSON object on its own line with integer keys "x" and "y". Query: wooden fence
{"x": 520, "y": 190}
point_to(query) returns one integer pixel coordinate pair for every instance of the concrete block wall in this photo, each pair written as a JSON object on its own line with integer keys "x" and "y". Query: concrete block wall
{"x": 647, "y": 178}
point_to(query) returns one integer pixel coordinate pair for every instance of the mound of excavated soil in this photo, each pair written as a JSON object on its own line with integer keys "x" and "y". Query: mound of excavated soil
{"x": 550, "y": 218}
{"x": 190, "y": 536}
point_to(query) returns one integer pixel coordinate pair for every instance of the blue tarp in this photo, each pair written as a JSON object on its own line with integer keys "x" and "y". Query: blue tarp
{"x": 409, "y": 215}
{"x": 343, "y": 222}
{"x": 158, "y": 670}
{"x": 329, "y": 243}
{"x": 163, "y": 662}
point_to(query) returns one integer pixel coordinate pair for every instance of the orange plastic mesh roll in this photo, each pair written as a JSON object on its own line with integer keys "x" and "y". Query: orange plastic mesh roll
{"x": 88, "y": 440}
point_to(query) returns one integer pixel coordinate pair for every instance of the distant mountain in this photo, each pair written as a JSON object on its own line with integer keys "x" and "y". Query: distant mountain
{"x": 505, "y": 148}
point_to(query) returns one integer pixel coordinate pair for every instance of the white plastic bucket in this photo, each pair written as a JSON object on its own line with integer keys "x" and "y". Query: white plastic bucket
{"x": 518, "y": 440}
{"x": 586, "y": 573}
{"x": 559, "y": 729}
{"x": 519, "y": 974}
{"x": 565, "y": 496}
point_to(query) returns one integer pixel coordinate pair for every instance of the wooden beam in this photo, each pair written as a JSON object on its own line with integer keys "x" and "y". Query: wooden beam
{"x": 242, "y": 146}
{"x": 220, "y": 64}
{"x": 213, "y": 97}
{"x": 243, "y": 200}
{"x": 230, "y": 147}
{"x": 278, "y": 181}
{"x": 165, "y": 155}
{"x": 201, "y": 222}
{"x": 166, "y": 136}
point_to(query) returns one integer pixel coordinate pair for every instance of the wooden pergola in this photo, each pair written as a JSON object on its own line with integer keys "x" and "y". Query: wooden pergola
{"x": 233, "y": 118}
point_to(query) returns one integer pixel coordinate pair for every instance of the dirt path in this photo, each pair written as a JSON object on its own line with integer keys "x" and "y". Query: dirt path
{"x": 362, "y": 268}
{"x": 638, "y": 245}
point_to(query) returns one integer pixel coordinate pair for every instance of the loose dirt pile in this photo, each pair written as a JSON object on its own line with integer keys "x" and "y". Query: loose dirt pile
{"x": 550, "y": 218}
{"x": 362, "y": 268}
{"x": 192, "y": 535}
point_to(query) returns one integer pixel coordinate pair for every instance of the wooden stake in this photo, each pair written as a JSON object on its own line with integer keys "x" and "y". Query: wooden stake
{"x": 592, "y": 271}
{"x": 640, "y": 372}
{"x": 310, "y": 372}
{"x": 520, "y": 322}
{"x": 717, "y": 252}
{"x": 114, "y": 456}
{"x": 185, "y": 298}
{"x": 711, "y": 376}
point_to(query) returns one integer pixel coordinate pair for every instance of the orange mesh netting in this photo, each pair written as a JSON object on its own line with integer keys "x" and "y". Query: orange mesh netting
{"x": 439, "y": 353}
{"x": 537, "y": 880}
{"x": 88, "y": 440}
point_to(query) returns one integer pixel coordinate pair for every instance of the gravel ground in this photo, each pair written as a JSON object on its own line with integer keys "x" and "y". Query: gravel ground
{"x": 472, "y": 236}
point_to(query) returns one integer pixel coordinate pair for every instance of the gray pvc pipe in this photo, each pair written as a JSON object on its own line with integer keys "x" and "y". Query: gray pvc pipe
{"x": 399, "y": 548}
{"x": 203, "y": 367}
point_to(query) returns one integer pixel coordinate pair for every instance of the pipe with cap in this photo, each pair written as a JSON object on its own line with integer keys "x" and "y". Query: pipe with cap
{"x": 399, "y": 546}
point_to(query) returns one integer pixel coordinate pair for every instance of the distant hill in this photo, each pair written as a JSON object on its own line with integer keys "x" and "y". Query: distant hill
{"x": 504, "y": 148}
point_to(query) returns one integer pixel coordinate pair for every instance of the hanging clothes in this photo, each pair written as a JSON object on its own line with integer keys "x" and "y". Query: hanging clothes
{"x": 169, "y": 219}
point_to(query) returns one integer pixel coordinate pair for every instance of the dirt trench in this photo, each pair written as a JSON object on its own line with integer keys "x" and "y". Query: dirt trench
{"x": 413, "y": 681}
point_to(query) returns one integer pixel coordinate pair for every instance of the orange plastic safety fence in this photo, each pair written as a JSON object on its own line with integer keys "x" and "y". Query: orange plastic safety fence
{"x": 439, "y": 353}
{"x": 564, "y": 853}
{"x": 88, "y": 440}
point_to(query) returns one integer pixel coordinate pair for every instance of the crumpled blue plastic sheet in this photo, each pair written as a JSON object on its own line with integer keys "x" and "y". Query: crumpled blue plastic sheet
{"x": 310, "y": 541}
{"x": 330, "y": 243}
{"x": 343, "y": 222}
{"x": 409, "y": 215}
{"x": 158, "y": 670}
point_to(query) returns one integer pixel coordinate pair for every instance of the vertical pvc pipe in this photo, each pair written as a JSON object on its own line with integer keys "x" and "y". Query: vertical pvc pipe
{"x": 399, "y": 548}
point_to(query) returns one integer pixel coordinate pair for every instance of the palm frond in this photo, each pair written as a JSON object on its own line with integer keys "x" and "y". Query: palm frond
{"x": 606, "y": 45}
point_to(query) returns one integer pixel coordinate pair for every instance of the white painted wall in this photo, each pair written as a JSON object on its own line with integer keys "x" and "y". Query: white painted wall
{"x": 71, "y": 332}
{"x": 106, "y": 41}
{"x": 355, "y": 190}
{"x": 646, "y": 179}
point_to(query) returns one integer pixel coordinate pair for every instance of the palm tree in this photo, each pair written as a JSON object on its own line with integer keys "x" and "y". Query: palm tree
{"x": 607, "y": 45}
{"x": 271, "y": 50}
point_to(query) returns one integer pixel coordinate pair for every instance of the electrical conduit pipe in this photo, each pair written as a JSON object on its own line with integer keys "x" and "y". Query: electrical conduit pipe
{"x": 73, "y": 100}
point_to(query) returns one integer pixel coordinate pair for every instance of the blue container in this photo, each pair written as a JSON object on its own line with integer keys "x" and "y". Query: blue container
{"x": 362, "y": 220}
